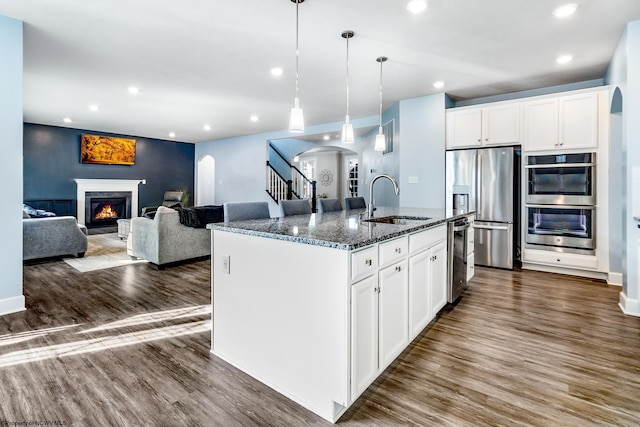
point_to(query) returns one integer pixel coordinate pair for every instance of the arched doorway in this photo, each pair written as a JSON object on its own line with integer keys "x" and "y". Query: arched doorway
{"x": 206, "y": 181}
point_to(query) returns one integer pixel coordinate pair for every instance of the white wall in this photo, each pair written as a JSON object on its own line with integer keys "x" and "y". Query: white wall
{"x": 422, "y": 123}
{"x": 11, "y": 298}
{"x": 329, "y": 161}
{"x": 624, "y": 73}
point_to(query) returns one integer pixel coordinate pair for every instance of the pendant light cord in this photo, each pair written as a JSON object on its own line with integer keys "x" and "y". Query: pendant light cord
{"x": 297, "y": 74}
{"x": 381, "y": 61}
{"x": 347, "y": 75}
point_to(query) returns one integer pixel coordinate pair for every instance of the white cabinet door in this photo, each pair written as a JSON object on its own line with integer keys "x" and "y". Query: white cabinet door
{"x": 393, "y": 303}
{"x": 501, "y": 125}
{"x": 579, "y": 121}
{"x": 364, "y": 334}
{"x": 540, "y": 125}
{"x": 419, "y": 295}
{"x": 464, "y": 128}
{"x": 438, "y": 277}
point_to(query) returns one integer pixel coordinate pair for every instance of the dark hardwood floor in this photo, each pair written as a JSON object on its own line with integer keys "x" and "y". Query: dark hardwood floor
{"x": 129, "y": 346}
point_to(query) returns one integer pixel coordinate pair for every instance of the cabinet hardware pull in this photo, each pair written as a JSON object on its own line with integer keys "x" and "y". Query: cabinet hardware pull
{"x": 398, "y": 268}
{"x": 435, "y": 257}
{"x": 558, "y": 259}
{"x": 367, "y": 262}
{"x": 486, "y": 139}
{"x": 398, "y": 250}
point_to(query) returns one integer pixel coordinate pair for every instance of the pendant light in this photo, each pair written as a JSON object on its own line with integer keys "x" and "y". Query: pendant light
{"x": 296, "y": 119}
{"x": 347, "y": 128}
{"x": 381, "y": 143}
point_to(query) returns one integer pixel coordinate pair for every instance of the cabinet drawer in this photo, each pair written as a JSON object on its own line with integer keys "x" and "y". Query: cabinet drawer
{"x": 558, "y": 259}
{"x": 393, "y": 250}
{"x": 427, "y": 238}
{"x": 471, "y": 268}
{"x": 364, "y": 263}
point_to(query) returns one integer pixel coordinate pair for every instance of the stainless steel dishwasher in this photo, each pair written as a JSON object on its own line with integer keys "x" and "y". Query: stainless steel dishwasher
{"x": 457, "y": 258}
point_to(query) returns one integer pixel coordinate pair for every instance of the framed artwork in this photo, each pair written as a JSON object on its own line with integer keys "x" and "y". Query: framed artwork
{"x": 107, "y": 150}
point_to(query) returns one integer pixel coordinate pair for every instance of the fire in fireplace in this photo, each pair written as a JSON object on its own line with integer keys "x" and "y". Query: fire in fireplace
{"x": 104, "y": 209}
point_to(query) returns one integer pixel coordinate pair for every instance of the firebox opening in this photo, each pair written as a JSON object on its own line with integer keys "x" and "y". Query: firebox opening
{"x": 104, "y": 209}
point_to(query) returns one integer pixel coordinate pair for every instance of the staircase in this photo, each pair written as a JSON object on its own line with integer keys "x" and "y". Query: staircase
{"x": 290, "y": 183}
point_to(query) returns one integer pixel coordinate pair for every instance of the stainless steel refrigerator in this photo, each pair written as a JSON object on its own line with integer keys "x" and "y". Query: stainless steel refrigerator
{"x": 487, "y": 180}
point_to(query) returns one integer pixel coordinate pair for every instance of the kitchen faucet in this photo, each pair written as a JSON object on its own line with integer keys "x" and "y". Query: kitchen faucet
{"x": 371, "y": 208}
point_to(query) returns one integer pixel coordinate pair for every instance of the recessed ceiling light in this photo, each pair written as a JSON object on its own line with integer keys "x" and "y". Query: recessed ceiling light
{"x": 133, "y": 90}
{"x": 254, "y": 118}
{"x": 207, "y": 127}
{"x": 564, "y": 59}
{"x": 94, "y": 107}
{"x": 66, "y": 120}
{"x": 565, "y": 10}
{"x": 276, "y": 71}
{"x": 172, "y": 135}
{"x": 417, "y": 6}
{"x": 326, "y": 137}
{"x": 438, "y": 85}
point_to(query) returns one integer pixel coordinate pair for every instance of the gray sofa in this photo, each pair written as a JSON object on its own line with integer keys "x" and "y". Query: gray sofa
{"x": 163, "y": 239}
{"x": 53, "y": 236}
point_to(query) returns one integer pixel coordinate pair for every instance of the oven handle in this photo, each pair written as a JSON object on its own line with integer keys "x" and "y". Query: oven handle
{"x": 559, "y": 165}
{"x": 490, "y": 227}
{"x": 562, "y": 207}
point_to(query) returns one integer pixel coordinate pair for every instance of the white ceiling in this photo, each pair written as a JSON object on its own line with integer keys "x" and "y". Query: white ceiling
{"x": 203, "y": 62}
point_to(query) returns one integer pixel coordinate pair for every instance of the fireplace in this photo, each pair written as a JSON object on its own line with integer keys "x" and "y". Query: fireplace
{"x": 107, "y": 187}
{"x": 103, "y": 209}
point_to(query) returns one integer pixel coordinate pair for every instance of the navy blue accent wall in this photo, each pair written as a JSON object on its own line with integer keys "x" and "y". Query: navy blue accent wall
{"x": 52, "y": 161}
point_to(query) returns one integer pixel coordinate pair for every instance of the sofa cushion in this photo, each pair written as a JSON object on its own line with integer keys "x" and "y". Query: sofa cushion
{"x": 36, "y": 213}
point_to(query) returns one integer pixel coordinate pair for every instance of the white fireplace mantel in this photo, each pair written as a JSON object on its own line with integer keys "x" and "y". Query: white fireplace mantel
{"x": 85, "y": 185}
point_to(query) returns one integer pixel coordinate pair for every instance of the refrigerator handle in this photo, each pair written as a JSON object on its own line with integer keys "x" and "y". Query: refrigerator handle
{"x": 479, "y": 186}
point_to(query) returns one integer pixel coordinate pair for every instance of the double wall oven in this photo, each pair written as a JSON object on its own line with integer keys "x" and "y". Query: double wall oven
{"x": 561, "y": 202}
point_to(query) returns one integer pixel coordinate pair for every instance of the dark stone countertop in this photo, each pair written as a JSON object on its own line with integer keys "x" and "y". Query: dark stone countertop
{"x": 345, "y": 230}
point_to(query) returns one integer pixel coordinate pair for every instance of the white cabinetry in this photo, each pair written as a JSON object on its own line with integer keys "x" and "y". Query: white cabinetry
{"x": 364, "y": 335}
{"x": 393, "y": 300}
{"x": 472, "y": 127}
{"x": 564, "y": 122}
{"x": 427, "y": 278}
{"x": 438, "y": 277}
{"x": 396, "y": 302}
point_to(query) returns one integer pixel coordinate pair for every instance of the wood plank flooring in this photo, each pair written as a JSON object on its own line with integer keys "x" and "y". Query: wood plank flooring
{"x": 129, "y": 346}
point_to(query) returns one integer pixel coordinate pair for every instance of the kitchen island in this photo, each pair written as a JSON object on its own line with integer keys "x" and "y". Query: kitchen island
{"x": 317, "y": 306}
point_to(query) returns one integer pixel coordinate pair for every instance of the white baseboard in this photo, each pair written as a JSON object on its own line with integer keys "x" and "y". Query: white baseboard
{"x": 12, "y": 305}
{"x": 629, "y": 306}
{"x": 615, "y": 279}
{"x": 568, "y": 271}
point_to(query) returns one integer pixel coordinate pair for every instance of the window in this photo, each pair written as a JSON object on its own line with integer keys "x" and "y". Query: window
{"x": 352, "y": 176}
{"x": 308, "y": 169}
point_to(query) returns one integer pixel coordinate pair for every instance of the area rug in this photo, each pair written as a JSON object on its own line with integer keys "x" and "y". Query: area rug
{"x": 103, "y": 251}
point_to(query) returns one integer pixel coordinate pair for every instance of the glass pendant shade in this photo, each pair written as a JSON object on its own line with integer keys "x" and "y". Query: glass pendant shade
{"x": 381, "y": 142}
{"x": 296, "y": 119}
{"x": 347, "y": 132}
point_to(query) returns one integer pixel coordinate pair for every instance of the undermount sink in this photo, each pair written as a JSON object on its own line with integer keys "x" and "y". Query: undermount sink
{"x": 398, "y": 220}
